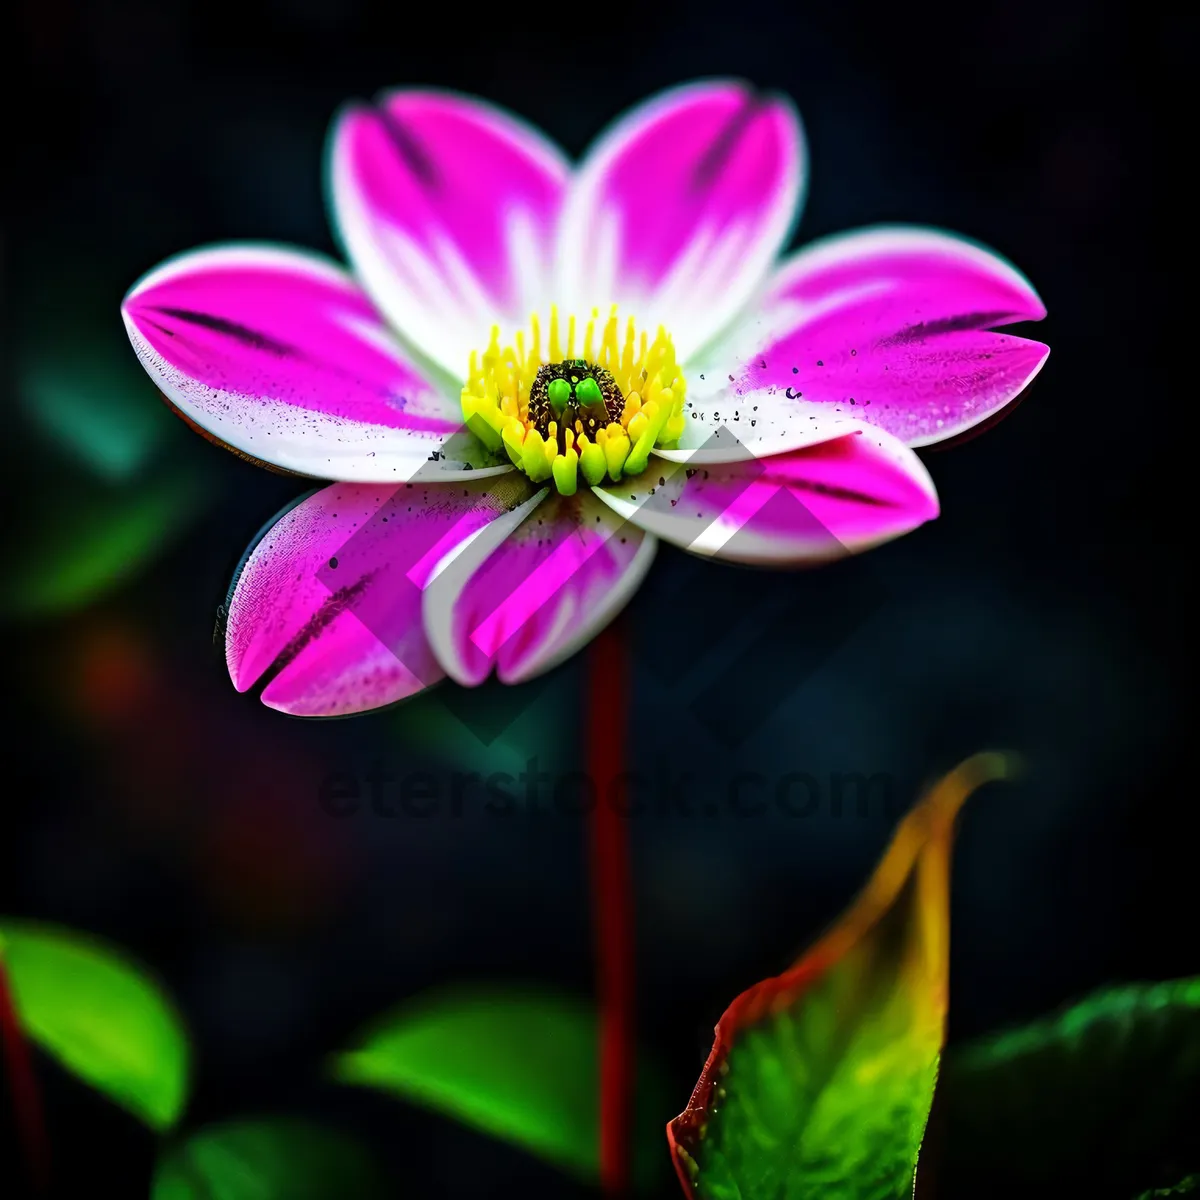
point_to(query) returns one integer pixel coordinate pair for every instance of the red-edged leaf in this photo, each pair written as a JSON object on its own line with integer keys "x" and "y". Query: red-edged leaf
{"x": 820, "y": 1080}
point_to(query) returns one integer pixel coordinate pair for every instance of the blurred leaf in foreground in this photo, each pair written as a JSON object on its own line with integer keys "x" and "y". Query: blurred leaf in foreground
{"x": 1103, "y": 1097}
{"x": 279, "y": 1158}
{"x": 820, "y": 1080}
{"x": 101, "y": 1016}
{"x": 519, "y": 1065}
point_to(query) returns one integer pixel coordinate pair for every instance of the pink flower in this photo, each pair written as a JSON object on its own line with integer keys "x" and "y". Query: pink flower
{"x": 503, "y": 481}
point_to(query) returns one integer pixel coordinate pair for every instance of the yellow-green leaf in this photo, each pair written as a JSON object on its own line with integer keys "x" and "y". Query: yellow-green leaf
{"x": 101, "y": 1015}
{"x": 820, "y": 1080}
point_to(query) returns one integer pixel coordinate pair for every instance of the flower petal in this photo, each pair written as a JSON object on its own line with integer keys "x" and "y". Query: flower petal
{"x": 889, "y": 326}
{"x": 277, "y": 354}
{"x": 808, "y": 506}
{"x": 326, "y": 608}
{"x": 753, "y": 425}
{"x": 533, "y": 588}
{"x": 447, "y": 208}
{"x": 679, "y": 209}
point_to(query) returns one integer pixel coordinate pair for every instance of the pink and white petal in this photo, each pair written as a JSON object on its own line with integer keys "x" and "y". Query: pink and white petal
{"x": 891, "y": 326}
{"x": 277, "y": 354}
{"x": 325, "y": 612}
{"x": 679, "y": 210}
{"x": 797, "y": 509}
{"x": 533, "y": 588}
{"x": 752, "y": 426}
{"x": 447, "y": 208}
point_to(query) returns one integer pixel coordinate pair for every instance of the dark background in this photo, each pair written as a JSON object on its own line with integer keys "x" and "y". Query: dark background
{"x": 151, "y": 804}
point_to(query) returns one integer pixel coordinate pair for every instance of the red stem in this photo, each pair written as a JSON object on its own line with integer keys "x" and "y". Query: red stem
{"x": 612, "y": 900}
{"x": 22, "y": 1084}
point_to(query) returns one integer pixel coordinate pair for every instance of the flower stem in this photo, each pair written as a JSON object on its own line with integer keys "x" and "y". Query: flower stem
{"x": 612, "y": 900}
{"x": 22, "y": 1085}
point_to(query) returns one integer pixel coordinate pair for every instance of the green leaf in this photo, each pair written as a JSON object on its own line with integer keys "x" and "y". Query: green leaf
{"x": 89, "y": 538}
{"x": 101, "y": 1016}
{"x": 519, "y": 1065}
{"x": 277, "y": 1158}
{"x": 820, "y": 1080}
{"x": 1101, "y": 1096}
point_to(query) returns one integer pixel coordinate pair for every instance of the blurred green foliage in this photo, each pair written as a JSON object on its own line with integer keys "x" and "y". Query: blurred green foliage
{"x": 1185, "y": 1187}
{"x": 91, "y": 402}
{"x": 83, "y": 538}
{"x": 104, "y": 490}
{"x": 1103, "y": 1098}
{"x": 521, "y": 1065}
{"x": 101, "y": 1015}
{"x": 278, "y": 1158}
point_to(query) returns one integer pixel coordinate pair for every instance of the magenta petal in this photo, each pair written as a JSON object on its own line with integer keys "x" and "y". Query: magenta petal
{"x": 533, "y": 588}
{"x": 326, "y": 610}
{"x": 890, "y": 326}
{"x": 679, "y": 210}
{"x": 808, "y": 506}
{"x": 447, "y": 208}
{"x": 279, "y": 355}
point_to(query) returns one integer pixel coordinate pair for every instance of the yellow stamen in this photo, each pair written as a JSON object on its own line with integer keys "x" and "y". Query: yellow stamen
{"x": 592, "y": 462}
{"x": 636, "y": 379}
{"x": 566, "y": 472}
